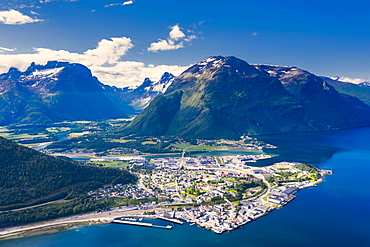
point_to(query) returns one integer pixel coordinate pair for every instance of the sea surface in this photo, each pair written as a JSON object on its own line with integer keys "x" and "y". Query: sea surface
{"x": 335, "y": 213}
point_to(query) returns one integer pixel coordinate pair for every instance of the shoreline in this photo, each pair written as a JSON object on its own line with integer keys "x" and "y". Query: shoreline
{"x": 68, "y": 223}
{"x": 107, "y": 217}
{"x": 101, "y": 218}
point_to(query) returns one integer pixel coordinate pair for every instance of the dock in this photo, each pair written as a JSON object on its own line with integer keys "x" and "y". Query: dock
{"x": 170, "y": 220}
{"x": 140, "y": 216}
{"x": 326, "y": 172}
{"x": 134, "y": 223}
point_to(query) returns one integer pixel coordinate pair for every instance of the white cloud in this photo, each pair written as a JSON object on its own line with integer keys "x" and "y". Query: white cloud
{"x": 119, "y": 4}
{"x": 14, "y": 17}
{"x": 130, "y": 73}
{"x": 350, "y": 80}
{"x": 104, "y": 62}
{"x": 176, "y": 33}
{"x": 165, "y": 45}
{"x": 34, "y": 13}
{"x": 4, "y": 49}
{"x": 110, "y": 51}
{"x": 175, "y": 40}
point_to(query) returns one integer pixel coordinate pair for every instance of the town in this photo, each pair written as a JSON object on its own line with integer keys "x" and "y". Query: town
{"x": 218, "y": 193}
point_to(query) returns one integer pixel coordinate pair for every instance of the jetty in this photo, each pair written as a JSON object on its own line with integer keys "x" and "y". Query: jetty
{"x": 153, "y": 217}
{"x": 170, "y": 220}
{"x": 135, "y": 223}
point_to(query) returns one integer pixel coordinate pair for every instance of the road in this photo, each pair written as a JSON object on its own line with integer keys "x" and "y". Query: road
{"x": 34, "y": 206}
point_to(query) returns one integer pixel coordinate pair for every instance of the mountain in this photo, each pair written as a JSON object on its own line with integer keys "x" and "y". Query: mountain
{"x": 361, "y": 91}
{"x": 141, "y": 96}
{"x": 364, "y": 84}
{"x": 28, "y": 177}
{"x": 225, "y": 97}
{"x": 58, "y": 91}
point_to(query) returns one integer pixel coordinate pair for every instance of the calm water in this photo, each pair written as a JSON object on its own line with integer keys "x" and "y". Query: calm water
{"x": 335, "y": 213}
{"x": 211, "y": 153}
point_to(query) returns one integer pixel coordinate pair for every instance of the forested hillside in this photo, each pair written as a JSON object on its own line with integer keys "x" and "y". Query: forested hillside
{"x": 28, "y": 177}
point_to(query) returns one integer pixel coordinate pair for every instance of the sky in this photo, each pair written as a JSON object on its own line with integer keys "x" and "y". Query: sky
{"x": 125, "y": 41}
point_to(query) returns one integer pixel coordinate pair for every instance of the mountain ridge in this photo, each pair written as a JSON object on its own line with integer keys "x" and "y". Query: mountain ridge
{"x": 223, "y": 97}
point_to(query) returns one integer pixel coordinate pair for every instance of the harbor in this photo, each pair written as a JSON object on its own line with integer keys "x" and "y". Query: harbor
{"x": 137, "y": 220}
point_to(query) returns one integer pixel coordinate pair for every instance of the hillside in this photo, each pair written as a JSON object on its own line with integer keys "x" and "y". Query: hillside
{"x": 361, "y": 91}
{"x": 28, "y": 177}
{"x": 225, "y": 97}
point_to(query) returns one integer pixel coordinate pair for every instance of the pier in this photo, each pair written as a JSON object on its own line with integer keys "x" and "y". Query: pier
{"x": 326, "y": 172}
{"x": 134, "y": 223}
{"x": 140, "y": 216}
{"x": 171, "y": 220}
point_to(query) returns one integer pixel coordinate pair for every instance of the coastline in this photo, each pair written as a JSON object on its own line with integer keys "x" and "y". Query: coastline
{"x": 95, "y": 218}
{"x": 107, "y": 217}
{"x": 67, "y": 223}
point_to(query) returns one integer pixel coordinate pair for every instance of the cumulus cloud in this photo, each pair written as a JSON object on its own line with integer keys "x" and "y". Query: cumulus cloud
{"x": 350, "y": 80}
{"x": 4, "y": 49}
{"x": 108, "y": 51}
{"x": 176, "y": 40}
{"x": 119, "y": 4}
{"x": 14, "y": 17}
{"x": 176, "y": 33}
{"x": 165, "y": 45}
{"x": 131, "y": 73}
{"x": 104, "y": 62}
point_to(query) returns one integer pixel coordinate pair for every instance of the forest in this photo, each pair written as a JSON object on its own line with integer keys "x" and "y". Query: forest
{"x": 28, "y": 177}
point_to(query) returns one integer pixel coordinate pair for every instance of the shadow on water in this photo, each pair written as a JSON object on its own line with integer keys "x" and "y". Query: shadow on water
{"x": 307, "y": 148}
{"x": 302, "y": 147}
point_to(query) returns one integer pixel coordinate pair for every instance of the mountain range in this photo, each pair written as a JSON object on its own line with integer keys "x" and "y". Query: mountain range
{"x": 217, "y": 97}
{"x": 225, "y": 97}
{"x": 60, "y": 91}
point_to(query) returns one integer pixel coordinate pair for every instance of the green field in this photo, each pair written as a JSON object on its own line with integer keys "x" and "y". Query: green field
{"x": 21, "y": 137}
{"x": 112, "y": 164}
{"x": 203, "y": 148}
{"x": 57, "y": 129}
{"x": 181, "y": 146}
{"x": 193, "y": 148}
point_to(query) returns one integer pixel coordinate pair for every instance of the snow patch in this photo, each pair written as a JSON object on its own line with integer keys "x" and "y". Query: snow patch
{"x": 46, "y": 72}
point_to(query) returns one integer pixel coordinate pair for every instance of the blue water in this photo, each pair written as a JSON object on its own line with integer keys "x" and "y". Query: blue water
{"x": 211, "y": 153}
{"x": 335, "y": 213}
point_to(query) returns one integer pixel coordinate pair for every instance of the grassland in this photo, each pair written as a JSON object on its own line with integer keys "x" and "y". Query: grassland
{"x": 192, "y": 148}
{"x": 112, "y": 164}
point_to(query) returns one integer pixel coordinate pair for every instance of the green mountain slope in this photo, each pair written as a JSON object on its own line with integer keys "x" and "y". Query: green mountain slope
{"x": 28, "y": 177}
{"x": 225, "y": 97}
{"x": 363, "y": 93}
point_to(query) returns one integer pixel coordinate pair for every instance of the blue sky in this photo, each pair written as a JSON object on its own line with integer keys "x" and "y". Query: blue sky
{"x": 125, "y": 41}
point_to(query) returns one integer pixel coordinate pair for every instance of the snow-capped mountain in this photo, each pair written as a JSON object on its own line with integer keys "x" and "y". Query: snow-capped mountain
{"x": 58, "y": 91}
{"x": 356, "y": 81}
{"x": 146, "y": 92}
